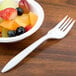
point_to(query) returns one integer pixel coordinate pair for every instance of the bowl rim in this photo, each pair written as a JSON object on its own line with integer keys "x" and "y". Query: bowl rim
{"x": 30, "y": 32}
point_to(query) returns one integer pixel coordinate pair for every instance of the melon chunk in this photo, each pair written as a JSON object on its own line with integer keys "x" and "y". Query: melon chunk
{"x": 8, "y": 4}
{"x": 9, "y": 24}
{"x": 23, "y": 20}
{"x": 33, "y": 18}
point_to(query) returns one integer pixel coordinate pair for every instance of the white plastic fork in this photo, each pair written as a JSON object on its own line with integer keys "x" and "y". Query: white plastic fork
{"x": 58, "y": 32}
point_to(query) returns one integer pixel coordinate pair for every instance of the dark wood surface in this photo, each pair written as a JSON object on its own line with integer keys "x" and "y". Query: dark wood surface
{"x": 53, "y": 57}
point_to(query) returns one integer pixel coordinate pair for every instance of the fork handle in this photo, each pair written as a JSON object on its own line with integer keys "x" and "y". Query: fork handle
{"x": 19, "y": 57}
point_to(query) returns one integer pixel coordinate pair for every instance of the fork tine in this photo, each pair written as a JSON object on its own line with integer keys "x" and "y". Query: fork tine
{"x": 69, "y": 27}
{"x": 67, "y": 24}
{"x": 61, "y": 22}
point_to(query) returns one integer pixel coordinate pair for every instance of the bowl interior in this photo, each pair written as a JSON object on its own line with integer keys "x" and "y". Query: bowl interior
{"x": 36, "y": 8}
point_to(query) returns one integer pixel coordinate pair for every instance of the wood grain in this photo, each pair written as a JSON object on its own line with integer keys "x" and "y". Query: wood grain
{"x": 53, "y": 57}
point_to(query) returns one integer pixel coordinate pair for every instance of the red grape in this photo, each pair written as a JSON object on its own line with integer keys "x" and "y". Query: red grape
{"x": 28, "y": 27}
{"x": 25, "y": 6}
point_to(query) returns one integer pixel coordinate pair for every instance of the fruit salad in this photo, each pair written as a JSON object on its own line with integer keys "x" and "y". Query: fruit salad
{"x": 16, "y": 18}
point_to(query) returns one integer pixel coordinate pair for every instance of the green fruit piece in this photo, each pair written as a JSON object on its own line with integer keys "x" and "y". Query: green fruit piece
{"x": 8, "y": 4}
{"x": 4, "y": 32}
{"x": 1, "y": 20}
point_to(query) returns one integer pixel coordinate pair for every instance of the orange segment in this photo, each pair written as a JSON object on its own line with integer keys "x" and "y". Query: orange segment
{"x": 33, "y": 18}
{"x": 23, "y": 20}
{"x": 10, "y": 25}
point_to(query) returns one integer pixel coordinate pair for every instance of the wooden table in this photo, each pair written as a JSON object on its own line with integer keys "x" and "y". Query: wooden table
{"x": 53, "y": 57}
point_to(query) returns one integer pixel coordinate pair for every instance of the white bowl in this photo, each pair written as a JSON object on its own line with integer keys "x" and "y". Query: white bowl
{"x": 36, "y": 8}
